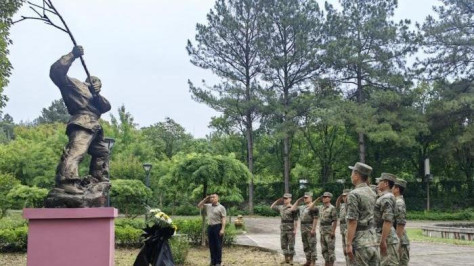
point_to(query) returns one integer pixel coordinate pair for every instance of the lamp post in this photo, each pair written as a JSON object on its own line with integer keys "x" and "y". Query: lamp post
{"x": 428, "y": 178}
{"x": 342, "y": 182}
{"x": 303, "y": 183}
{"x": 147, "y": 167}
{"x": 110, "y": 144}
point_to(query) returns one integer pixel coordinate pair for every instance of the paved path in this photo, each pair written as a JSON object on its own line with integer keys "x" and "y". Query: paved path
{"x": 265, "y": 233}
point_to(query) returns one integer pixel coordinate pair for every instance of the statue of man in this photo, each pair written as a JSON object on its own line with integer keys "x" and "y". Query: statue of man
{"x": 83, "y": 129}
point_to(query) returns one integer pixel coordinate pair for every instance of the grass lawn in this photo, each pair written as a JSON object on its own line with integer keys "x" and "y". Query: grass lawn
{"x": 415, "y": 234}
{"x": 197, "y": 256}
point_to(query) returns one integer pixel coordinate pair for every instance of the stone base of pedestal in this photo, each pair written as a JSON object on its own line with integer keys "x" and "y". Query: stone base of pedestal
{"x": 72, "y": 237}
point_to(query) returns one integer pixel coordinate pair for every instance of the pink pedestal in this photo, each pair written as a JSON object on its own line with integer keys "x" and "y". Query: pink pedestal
{"x": 72, "y": 237}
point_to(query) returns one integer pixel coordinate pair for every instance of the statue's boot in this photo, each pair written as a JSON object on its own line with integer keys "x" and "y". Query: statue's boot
{"x": 71, "y": 187}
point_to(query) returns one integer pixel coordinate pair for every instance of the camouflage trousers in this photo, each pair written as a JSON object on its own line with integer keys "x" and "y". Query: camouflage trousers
{"x": 328, "y": 246}
{"x": 404, "y": 255}
{"x": 309, "y": 244}
{"x": 392, "y": 257}
{"x": 343, "y": 236}
{"x": 366, "y": 256}
{"x": 287, "y": 239}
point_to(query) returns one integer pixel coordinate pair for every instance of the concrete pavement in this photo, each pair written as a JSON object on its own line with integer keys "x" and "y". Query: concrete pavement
{"x": 265, "y": 233}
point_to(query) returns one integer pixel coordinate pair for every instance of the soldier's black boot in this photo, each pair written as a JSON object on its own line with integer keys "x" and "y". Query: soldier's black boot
{"x": 290, "y": 259}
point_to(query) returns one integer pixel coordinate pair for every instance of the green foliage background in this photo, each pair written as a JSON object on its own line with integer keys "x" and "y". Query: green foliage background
{"x": 327, "y": 88}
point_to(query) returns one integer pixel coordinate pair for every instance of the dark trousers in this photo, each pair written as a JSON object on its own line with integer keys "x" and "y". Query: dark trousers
{"x": 215, "y": 243}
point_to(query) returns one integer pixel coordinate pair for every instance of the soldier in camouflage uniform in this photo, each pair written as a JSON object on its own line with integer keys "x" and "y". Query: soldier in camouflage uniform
{"x": 384, "y": 214}
{"x": 361, "y": 239}
{"x": 400, "y": 221}
{"x": 341, "y": 205}
{"x": 327, "y": 228}
{"x": 289, "y": 224}
{"x": 309, "y": 221}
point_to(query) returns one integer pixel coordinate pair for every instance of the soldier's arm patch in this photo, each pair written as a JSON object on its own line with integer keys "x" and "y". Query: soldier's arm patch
{"x": 352, "y": 207}
{"x": 387, "y": 210}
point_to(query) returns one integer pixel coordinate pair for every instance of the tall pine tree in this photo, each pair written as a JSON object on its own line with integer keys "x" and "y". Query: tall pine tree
{"x": 227, "y": 45}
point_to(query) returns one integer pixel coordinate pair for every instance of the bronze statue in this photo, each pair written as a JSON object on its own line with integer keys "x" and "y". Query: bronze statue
{"x": 85, "y": 105}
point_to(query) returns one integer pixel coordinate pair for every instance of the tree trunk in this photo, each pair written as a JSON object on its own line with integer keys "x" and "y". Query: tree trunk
{"x": 286, "y": 162}
{"x": 250, "y": 160}
{"x": 203, "y": 216}
{"x": 362, "y": 153}
{"x": 360, "y": 100}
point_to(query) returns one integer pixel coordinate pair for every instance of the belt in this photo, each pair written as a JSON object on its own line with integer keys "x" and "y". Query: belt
{"x": 84, "y": 112}
{"x": 287, "y": 221}
{"x": 214, "y": 225}
{"x": 364, "y": 227}
{"x": 306, "y": 222}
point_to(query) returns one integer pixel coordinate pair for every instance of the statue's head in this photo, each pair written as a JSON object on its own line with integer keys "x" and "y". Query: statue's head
{"x": 96, "y": 83}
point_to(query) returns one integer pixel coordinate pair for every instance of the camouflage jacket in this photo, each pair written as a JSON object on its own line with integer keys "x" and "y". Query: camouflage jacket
{"x": 288, "y": 217}
{"x": 327, "y": 215}
{"x": 307, "y": 216}
{"x": 385, "y": 211}
{"x": 400, "y": 218}
{"x": 360, "y": 207}
{"x": 85, "y": 110}
{"x": 342, "y": 218}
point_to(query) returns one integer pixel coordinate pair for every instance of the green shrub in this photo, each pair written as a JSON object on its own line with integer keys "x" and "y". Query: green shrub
{"x": 22, "y": 196}
{"x": 7, "y": 182}
{"x": 264, "y": 210}
{"x": 191, "y": 228}
{"x": 464, "y": 215}
{"x": 14, "y": 239}
{"x": 230, "y": 234}
{"x": 129, "y": 196}
{"x": 128, "y": 236}
{"x": 179, "y": 249}
{"x": 12, "y": 220}
{"x": 137, "y": 223}
{"x": 187, "y": 210}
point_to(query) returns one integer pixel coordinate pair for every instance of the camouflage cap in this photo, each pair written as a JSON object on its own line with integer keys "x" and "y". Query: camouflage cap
{"x": 287, "y": 195}
{"x": 401, "y": 183}
{"x": 327, "y": 194}
{"x": 346, "y": 191}
{"x": 308, "y": 194}
{"x": 362, "y": 168}
{"x": 386, "y": 176}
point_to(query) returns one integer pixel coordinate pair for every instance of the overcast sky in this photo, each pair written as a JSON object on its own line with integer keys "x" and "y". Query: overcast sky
{"x": 137, "y": 49}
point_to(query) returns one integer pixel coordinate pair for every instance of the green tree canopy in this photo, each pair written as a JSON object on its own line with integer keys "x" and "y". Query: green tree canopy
{"x": 129, "y": 196}
{"x": 7, "y": 10}
{"x": 55, "y": 113}
{"x": 448, "y": 40}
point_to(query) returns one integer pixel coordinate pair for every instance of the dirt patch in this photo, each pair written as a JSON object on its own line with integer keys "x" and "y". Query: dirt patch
{"x": 234, "y": 256}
